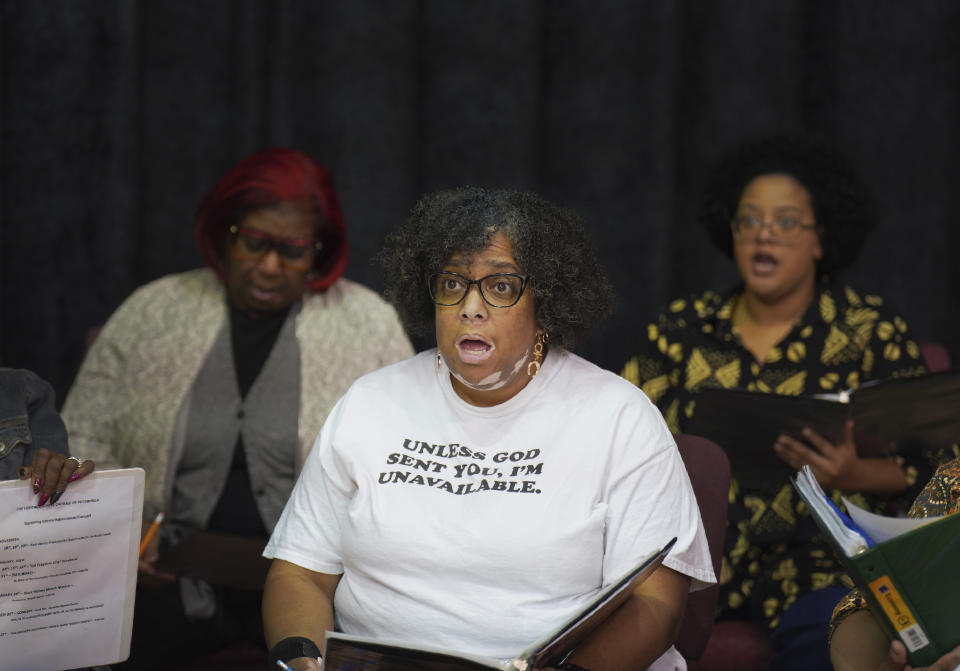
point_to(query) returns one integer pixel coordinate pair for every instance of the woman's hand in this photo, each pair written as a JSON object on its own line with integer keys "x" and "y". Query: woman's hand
{"x": 837, "y": 466}
{"x": 52, "y": 472}
{"x": 834, "y": 465}
{"x": 147, "y": 572}
{"x": 896, "y": 660}
{"x": 859, "y": 643}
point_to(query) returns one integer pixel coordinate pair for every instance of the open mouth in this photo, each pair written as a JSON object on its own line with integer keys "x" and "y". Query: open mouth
{"x": 473, "y": 348}
{"x": 763, "y": 264}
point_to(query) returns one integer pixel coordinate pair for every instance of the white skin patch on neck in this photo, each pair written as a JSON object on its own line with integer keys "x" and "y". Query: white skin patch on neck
{"x": 496, "y": 380}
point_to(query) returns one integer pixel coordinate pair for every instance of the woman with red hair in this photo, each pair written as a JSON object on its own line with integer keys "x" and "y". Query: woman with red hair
{"x": 216, "y": 381}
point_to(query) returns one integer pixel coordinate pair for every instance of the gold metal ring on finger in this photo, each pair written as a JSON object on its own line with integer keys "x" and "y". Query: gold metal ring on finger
{"x": 80, "y": 462}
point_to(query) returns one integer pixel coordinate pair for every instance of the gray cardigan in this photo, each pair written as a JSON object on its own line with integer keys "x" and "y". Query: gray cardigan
{"x": 124, "y": 406}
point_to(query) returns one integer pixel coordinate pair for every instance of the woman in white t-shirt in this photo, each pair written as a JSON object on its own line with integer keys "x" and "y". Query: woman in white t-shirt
{"x": 476, "y": 496}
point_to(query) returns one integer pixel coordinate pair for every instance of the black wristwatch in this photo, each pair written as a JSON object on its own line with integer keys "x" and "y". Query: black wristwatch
{"x": 292, "y": 647}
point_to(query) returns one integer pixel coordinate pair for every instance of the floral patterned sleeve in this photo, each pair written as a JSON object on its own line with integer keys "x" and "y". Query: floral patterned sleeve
{"x": 941, "y": 496}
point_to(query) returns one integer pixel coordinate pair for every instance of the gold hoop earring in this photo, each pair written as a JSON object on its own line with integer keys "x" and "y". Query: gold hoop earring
{"x": 438, "y": 361}
{"x": 539, "y": 348}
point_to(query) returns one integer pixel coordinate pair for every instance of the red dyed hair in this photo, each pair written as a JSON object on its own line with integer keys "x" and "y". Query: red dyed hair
{"x": 266, "y": 180}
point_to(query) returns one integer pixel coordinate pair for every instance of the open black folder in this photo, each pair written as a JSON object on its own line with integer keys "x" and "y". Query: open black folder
{"x": 888, "y": 415}
{"x": 344, "y": 652}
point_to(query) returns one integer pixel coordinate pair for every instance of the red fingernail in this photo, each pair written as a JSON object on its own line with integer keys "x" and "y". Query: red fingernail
{"x": 43, "y": 499}
{"x": 36, "y": 485}
{"x": 73, "y": 477}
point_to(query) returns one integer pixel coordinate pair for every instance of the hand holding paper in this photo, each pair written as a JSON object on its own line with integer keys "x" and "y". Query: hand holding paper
{"x": 897, "y": 660}
{"x": 68, "y": 571}
{"x": 908, "y": 576}
{"x": 51, "y": 472}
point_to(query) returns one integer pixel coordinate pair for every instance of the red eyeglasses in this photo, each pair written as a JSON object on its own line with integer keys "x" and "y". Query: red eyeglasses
{"x": 258, "y": 243}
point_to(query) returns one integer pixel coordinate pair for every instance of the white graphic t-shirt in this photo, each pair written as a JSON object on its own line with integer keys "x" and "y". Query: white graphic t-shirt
{"x": 482, "y": 529}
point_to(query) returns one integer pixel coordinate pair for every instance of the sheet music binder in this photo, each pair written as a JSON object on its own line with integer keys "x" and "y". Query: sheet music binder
{"x": 888, "y": 415}
{"x": 910, "y": 583}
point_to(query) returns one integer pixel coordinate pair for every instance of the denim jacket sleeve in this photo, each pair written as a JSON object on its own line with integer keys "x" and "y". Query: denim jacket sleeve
{"x": 28, "y": 420}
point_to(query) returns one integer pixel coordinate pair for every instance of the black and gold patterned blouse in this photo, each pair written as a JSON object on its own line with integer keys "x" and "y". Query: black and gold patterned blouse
{"x": 773, "y": 553}
{"x": 941, "y": 496}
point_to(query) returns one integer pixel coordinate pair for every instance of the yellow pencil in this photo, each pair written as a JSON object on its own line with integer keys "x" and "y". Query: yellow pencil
{"x": 147, "y": 537}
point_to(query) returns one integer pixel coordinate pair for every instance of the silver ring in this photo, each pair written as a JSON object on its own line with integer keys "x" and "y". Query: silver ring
{"x": 80, "y": 462}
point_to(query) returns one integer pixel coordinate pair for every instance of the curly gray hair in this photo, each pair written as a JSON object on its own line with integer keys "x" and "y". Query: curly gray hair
{"x": 571, "y": 290}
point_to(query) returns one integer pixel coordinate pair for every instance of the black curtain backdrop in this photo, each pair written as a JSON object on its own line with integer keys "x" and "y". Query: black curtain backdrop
{"x": 117, "y": 115}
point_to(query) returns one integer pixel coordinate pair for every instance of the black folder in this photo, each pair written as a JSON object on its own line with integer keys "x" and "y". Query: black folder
{"x": 343, "y": 652}
{"x": 888, "y": 416}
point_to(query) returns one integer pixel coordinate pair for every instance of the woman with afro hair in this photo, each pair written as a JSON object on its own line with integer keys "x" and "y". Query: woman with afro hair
{"x": 790, "y": 213}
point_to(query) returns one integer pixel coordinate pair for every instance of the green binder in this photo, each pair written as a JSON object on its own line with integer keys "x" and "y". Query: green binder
{"x": 911, "y": 582}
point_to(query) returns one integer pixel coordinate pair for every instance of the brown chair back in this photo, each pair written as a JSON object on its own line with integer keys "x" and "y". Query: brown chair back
{"x": 935, "y": 356}
{"x": 709, "y": 471}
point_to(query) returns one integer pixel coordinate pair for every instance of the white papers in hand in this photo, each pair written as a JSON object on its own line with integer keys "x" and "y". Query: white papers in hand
{"x": 68, "y": 572}
{"x": 849, "y": 541}
{"x": 880, "y": 528}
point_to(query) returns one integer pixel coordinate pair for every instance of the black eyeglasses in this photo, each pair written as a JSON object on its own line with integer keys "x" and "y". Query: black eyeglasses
{"x": 783, "y": 228}
{"x": 500, "y": 290}
{"x": 257, "y": 243}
